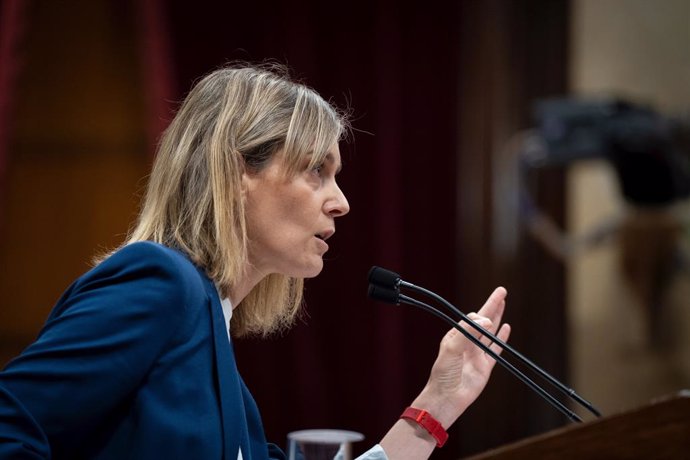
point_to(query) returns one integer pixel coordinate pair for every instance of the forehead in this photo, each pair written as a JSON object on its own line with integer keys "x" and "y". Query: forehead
{"x": 331, "y": 156}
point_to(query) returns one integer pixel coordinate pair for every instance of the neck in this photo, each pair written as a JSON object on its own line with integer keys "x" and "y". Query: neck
{"x": 244, "y": 285}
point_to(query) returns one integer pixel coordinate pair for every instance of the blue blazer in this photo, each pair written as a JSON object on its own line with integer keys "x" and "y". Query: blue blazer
{"x": 133, "y": 363}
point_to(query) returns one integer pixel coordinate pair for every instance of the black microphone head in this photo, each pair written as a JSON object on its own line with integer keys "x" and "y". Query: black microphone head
{"x": 382, "y": 277}
{"x": 384, "y": 294}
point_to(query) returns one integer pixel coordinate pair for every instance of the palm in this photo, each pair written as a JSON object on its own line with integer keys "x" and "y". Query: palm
{"x": 462, "y": 369}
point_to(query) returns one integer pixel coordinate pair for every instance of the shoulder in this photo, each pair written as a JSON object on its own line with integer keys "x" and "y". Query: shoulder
{"x": 145, "y": 253}
{"x": 144, "y": 290}
{"x": 147, "y": 256}
{"x": 147, "y": 269}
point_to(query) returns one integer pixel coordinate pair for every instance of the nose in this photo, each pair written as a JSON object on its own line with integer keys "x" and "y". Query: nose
{"x": 337, "y": 204}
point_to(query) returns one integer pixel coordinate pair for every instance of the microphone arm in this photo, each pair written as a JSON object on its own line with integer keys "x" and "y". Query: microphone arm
{"x": 505, "y": 346}
{"x": 507, "y": 365}
{"x": 385, "y": 286}
{"x": 393, "y": 296}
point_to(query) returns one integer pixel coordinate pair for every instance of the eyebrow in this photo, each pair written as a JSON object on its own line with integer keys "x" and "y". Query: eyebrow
{"x": 329, "y": 156}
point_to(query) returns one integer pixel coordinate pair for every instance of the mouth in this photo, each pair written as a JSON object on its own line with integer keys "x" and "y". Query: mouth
{"x": 323, "y": 236}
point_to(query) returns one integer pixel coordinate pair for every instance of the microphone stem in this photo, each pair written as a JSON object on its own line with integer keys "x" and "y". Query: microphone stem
{"x": 556, "y": 383}
{"x": 512, "y": 369}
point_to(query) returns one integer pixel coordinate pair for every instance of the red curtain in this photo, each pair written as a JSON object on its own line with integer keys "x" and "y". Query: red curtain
{"x": 353, "y": 363}
{"x": 418, "y": 118}
{"x": 11, "y": 31}
{"x": 158, "y": 76}
{"x": 435, "y": 88}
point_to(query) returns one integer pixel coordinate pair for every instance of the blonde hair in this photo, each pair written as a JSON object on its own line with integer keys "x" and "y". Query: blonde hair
{"x": 233, "y": 120}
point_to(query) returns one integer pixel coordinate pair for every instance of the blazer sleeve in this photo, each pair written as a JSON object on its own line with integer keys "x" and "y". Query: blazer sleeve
{"x": 96, "y": 347}
{"x": 275, "y": 452}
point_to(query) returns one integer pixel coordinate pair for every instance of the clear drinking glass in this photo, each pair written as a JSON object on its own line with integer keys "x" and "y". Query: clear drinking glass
{"x": 322, "y": 444}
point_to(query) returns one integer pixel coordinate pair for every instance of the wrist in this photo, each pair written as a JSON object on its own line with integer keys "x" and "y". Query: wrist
{"x": 428, "y": 423}
{"x": 440, "y": 408}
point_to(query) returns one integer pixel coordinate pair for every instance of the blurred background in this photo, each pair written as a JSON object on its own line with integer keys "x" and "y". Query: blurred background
{"x": 457, "y": 178}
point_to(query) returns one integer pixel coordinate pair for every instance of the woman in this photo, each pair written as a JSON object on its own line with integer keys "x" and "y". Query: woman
{"x": 136, "y": 361}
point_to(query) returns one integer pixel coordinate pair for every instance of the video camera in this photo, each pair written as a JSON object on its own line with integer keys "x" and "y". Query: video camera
{"x": 649, "y": 152}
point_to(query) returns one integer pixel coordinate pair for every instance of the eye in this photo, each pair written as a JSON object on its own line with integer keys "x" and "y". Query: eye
{"x": 318, "y": 169}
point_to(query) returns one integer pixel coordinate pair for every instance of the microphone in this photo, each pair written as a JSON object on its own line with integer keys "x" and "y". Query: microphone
{"x": 382, "y": 277}
{"x": 384, "y": 294}
{"x": 385, "y": 286}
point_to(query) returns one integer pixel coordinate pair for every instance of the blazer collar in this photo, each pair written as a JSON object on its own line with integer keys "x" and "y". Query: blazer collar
{"x": 227, "y": 381}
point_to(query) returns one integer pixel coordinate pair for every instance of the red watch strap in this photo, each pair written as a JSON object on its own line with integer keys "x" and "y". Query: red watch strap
{"x": 428, "y": 422}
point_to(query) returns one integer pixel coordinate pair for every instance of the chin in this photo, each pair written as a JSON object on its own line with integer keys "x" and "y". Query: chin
{"x": 312, "y": 271}
{"x": 303, "y": 271}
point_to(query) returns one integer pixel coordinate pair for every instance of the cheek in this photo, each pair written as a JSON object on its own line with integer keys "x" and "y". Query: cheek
{"x": 275, "y": 225}
{"x": 282, "y": 215}
{"x": 296, "y": 211}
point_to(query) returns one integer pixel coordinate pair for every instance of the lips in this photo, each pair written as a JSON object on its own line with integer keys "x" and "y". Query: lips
{"x": 325, "y": 234}
{"x": 321, "y": 244}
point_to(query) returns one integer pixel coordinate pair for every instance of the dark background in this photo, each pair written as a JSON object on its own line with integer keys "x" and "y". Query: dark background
{"x": 436, "y": 91}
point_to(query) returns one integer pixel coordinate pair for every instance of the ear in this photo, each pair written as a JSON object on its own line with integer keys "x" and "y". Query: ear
{"x": 249, "y": 182}
{"x": 245, "y": 184}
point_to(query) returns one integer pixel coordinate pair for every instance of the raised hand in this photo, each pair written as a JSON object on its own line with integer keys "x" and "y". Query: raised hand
{"x": 458, "y": 376}
{"x": 462, "y": 369}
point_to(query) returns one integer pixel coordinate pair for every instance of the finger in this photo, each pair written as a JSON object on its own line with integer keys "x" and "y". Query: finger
{"x": 484, "y": 323}
{"x": 494, "y": 305}
{"x": 491, "y": 327}
{"x": 457, "y": 341}
{"x": 481, "y": 321}
{"x": 502, "y": 335}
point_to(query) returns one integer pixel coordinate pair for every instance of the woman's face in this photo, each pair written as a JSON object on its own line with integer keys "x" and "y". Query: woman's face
{"x": 289, "y": 218}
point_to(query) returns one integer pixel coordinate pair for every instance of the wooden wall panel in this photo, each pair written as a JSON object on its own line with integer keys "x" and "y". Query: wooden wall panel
{"x": 511, "y": 53}
{"x": 77, "y": 155}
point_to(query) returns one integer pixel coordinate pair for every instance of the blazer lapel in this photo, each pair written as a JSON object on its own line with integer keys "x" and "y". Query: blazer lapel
{"x": 227, "y": 376}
